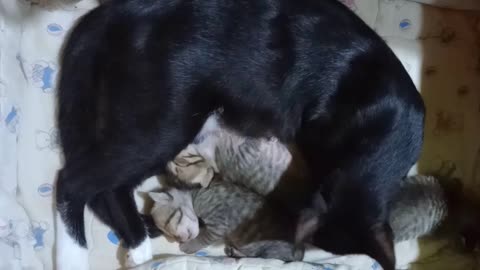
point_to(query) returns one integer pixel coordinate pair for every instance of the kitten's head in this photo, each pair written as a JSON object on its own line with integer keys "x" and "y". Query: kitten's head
{"x": 173, "y": 213}
{"x": 341, "y": 232}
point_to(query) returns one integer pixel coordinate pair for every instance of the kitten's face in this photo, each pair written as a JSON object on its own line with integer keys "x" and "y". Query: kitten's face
{"x": 173, "y": 214}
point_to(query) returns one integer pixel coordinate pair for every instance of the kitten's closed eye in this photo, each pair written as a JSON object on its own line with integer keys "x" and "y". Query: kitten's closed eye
{"x": 174, "y": 215}
{"x": 160, "y": 196}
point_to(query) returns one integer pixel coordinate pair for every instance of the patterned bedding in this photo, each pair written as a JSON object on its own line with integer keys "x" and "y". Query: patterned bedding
{"x": 439, "y": 47}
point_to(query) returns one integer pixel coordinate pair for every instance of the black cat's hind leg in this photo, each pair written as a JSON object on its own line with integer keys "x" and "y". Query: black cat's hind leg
{"x": 118, "y": 210}
{"x": 357, "y": 164}
{"x": 113, "y": 170}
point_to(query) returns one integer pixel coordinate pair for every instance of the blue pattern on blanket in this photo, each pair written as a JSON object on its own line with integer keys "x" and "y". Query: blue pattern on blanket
{"x": 12, "y": 120}
{"x": 55, "y": 29}
{"x": 405, "y": 24}
{"x": 42, "y": 75}
{"x": 156, "y": 265}
{"x": 201, "y": 253}
{"x": 113, "y": 238}
{"x": 45, "y": 190}
{"x": 38, "y": 230}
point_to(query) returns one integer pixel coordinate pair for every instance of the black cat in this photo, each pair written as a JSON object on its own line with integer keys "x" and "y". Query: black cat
{"x": 139, "y": 78}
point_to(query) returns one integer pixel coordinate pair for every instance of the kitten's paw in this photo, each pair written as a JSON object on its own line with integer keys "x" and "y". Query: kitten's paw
{"x": 140, "y": 254}
{"x": 298, "y": 253}
{"x": 190, "y": 247}
{"x": 230, "y": 251}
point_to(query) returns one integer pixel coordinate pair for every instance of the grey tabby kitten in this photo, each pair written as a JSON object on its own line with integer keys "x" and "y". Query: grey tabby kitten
{"x": 231, "y": 213}
{"x": 256, "y": 163}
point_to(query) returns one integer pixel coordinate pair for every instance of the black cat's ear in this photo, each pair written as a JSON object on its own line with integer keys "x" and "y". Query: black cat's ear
{"x": 380, "y": 246}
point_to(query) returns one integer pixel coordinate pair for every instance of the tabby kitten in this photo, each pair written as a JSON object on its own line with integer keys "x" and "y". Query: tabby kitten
{"x": 256, "y": 163}
{"x": 243, "y": 219}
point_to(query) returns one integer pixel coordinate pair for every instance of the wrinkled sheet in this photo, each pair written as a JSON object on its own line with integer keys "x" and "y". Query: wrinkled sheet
{"x": 438, "y": 47}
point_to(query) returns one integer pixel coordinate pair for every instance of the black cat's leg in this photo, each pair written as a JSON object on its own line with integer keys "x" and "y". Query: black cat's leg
{"x": 70, "y": 243}
{"x": 118, "y": 210}
{"x": 268, "y": 249}
{"x": 119, "y": 163}
{"x": 115, "y": 207}
{"x": 357, "y": 164}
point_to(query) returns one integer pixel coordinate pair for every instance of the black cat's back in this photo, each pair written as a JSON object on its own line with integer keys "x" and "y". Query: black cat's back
{"x": 240, "y": 54}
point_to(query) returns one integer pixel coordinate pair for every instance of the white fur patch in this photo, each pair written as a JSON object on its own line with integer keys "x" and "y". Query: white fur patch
{"x": 69, "y": 254}
{"x": 140, "y": 254}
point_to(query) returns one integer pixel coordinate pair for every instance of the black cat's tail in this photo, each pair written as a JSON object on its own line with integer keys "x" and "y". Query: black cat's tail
{"x": 77, "y": 116}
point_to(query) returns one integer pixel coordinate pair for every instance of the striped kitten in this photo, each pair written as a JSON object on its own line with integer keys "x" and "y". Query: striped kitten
{"x": 243, "y": 219}
{"x": 256, "y": 163}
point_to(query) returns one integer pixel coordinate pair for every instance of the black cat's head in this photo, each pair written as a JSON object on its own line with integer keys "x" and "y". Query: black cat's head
{"x": 342, "y": 233}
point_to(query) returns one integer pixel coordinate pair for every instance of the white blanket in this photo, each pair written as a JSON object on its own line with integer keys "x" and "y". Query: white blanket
{"x": 438, "y": 47}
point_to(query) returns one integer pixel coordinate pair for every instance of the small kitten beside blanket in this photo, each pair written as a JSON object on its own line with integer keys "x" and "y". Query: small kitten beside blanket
{"x": 234, "y": 208}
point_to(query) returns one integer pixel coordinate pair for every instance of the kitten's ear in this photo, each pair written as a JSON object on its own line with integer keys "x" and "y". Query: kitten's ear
{"x": 381, "y": 247}
{"x": 160, "y": 196}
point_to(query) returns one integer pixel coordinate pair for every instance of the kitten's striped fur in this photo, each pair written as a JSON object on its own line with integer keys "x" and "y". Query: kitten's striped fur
{"x": 256, "y": 163}
{"x": 251, "y": 168}
{"x": 239, "y": 217}
{"x": 419, "y": 208}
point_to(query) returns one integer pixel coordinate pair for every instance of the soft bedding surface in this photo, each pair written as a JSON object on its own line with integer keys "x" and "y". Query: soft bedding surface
{"x": 439, "y": 48}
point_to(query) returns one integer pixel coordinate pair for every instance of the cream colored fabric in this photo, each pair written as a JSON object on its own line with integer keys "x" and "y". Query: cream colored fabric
{"x": 437, "y": 46}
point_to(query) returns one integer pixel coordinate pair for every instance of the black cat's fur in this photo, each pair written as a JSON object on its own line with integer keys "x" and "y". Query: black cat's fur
{"x": 139, "y": 78}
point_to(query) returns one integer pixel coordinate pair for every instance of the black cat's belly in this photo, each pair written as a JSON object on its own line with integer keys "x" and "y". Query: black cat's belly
{"x": 139, "y": 78}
